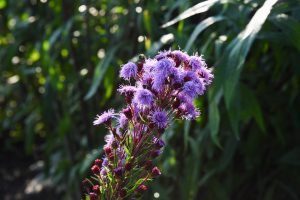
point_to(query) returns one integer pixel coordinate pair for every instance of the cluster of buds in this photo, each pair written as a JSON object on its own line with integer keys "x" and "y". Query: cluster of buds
{"x": 163, "y": 89}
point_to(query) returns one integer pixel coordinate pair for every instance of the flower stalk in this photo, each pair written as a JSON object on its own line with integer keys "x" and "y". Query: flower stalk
{"x": 163, "y": 90}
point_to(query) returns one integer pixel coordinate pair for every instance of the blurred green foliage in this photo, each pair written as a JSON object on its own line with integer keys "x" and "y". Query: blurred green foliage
{"x": 59, "y": 62}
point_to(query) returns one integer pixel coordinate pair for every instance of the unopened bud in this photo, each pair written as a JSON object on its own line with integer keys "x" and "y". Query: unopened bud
{"x": 107, "y": 150}
{"x": 98, "y": 162}
{"x": 95, "y": 169}
{"x": 142, "y": 188}
{"x": 93, "y": 196}
{"x": 96, "y": 189}
{"x": 155, "y": 171}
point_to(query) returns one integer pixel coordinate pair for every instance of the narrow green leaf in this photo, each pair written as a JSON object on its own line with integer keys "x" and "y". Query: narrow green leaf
{"x": 187, "y": 126}
{"x": 201, "y": 27}
{"x": 240, "y": 46}
{"x": 100, "y": 71}
{"x": 254, "y": 107}
{"x": 214, "y": 121}
{"x": 196, "y": 9}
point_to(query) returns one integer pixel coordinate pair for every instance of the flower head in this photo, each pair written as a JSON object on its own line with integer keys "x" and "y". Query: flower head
{"x": 163, "y": 88}
{"x": 162, "y": 54}
{"x": 188, "y": 110}
{"x": 190, "y": 89}
{"x": 143, "y": 97}
{"x": 104, "y": 117}
{"x": 207, "y": 75}
{"x": 181, "y": 56}
{"x": 128, "y": 71}
{"x": 160, "y": 119}
{"x": 123, "y": 121}
{"x": 164, "y": 66}
{"x": 158, "y": 82}
{"x": 196, "y": 63}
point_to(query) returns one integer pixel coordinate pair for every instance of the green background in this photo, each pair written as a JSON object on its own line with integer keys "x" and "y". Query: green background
{"x": 59, "y": 63}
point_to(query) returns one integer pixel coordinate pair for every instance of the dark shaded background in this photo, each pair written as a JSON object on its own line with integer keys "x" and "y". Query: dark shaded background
{"x": 59, "y": 62}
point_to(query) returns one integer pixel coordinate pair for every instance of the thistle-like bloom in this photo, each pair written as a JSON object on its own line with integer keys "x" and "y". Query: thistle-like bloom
{"x": 104, "y": 117}
{"x": 163, "y": 89}
{"x": 181, "y": 56}
{"x": 128, "y": 71}
{"x": 196, "y": 63}
{"x": 143, "y": 97}
{"x": 190, "y": 89}
{"x": 160, "y": 119}
{"x": 123, "y": 121}
{"x": 126, "y": 89}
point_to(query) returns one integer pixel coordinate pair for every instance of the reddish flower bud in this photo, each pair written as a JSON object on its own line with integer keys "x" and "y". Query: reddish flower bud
{"x": 95, "y": 169}
{"x": 111, "y": 157}
{"x": 107, "y": 150}
{"x": 93, "y": 196}
{"x": 98, "y": 162}
{"x": 127, "y": 113}
{"x": 142, "y": 188}
{"x": 96, "y": 189}
{"x": 155, "y": 171}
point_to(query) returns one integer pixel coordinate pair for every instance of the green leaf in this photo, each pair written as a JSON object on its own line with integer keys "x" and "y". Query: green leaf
{"x": 100, "y": 71}
{"x": 239, "y": 48}
{"x": 253, "y": 106}
{"x": 187, "y": 126}
{"x": 201, "y": 27}
{"x": 196, "y": 9}
{"x": 2, "y": 4}
{"x": 214, "y": 122}
{"x": 290, "y": 27}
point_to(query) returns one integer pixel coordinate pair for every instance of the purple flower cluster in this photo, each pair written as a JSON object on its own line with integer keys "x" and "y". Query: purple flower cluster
{"x": 164, "y": 89}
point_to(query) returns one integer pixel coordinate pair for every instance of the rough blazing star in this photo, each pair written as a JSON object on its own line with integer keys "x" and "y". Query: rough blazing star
{"x": 104, "y": 117}
{"x": 190, "y": 89}
{"x": 196, "y": 63}
{"x": 181, "y": 56}
{"x": 143, "y": 97}
{"x": 123, "y": 121}
{"x": 128, "y": 71}
{"x": 160, "y": 119}
{"x": 161, "y": 90}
